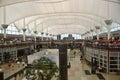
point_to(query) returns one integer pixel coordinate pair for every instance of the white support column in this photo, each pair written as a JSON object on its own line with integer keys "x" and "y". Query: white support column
{"x": 24, "y": 29}
{"x": 85, "y": 36}
{"x": 35, "y": 32}
{"x": 91, "y": 34}
{"x": 108, "y": 23}
{"x": 35, "y": 37}
{"x": 108, "y": 32}
{"x": 88, "y": 35}
{"x": 4, "y": 27}
{"x": 42, "y": 35}
{"x": 81, "y": 36}
{"x": 5, "y": 33}
{"x": 97, "y": 34}
{"x": 50, "y": 37}
{"x": 4, "y": 14}
{"x": 46, "y": 36}
{"x": 97, "y": 31}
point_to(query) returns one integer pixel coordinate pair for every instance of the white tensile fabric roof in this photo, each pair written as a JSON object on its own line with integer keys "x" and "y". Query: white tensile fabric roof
{"x": 59, "y": 16}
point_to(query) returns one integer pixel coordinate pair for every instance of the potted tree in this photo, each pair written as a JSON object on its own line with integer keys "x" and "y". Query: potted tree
{"x": 41, "y": 69}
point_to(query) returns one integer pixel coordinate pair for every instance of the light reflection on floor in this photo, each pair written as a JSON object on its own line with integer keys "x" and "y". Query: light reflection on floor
{"x": 76, "y": 72}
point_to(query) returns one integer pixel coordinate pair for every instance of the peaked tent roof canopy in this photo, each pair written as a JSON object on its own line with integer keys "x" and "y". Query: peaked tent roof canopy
{"x": 59, "y": 16}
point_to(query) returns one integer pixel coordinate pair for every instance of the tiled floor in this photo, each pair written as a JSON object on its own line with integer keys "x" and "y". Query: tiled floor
{"x": 76, "y": 72}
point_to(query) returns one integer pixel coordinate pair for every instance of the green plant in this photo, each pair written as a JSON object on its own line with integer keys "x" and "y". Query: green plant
{"x": 42, "y": 69}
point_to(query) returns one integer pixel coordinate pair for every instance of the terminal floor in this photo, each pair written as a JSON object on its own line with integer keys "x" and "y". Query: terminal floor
{"x": 76, "y": 72}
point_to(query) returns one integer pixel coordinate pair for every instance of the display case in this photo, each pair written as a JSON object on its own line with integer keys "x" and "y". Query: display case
{"x": 13, "y": 54}
{"x": 7, "y": 54}
{"x": 114, "y": 61}
{"x": 103, "y": 59}
{"x": 88, "y": 54}
{"x": 107, "y": 55}
{"x": 96, "y": 54}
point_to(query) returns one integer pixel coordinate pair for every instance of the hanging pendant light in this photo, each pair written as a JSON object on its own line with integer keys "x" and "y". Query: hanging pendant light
{"x": 35, "y": 32}
{"x": 47, "y": 34}
{"x": 108, "y": 22}
{"x": 42, "y": 33}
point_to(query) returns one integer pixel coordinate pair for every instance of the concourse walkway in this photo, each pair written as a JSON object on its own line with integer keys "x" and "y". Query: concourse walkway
{"x": 78, "y": 67}
{"x": 76, "y": 72}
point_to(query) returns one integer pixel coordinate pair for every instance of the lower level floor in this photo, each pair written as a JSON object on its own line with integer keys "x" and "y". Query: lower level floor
{"x": 81, "y": 71}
